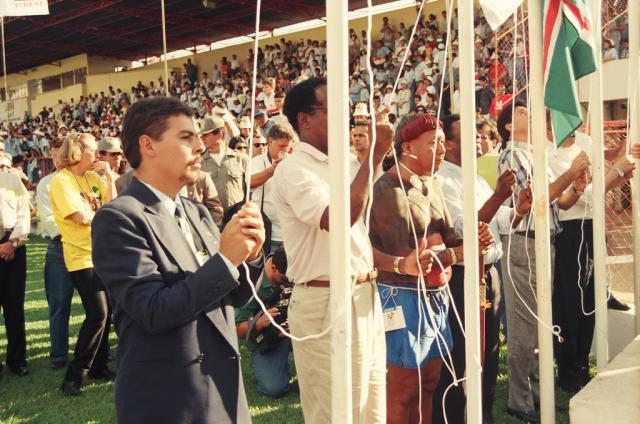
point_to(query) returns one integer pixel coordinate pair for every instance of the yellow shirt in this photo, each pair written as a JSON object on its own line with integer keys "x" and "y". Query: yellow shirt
{"x": 71, "y": 194}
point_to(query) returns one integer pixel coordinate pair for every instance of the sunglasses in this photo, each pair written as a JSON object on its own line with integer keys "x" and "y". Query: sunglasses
{"x": 259, "y": 144}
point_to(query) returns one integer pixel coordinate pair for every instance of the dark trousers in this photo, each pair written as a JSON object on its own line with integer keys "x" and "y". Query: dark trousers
{"x": 456, "y": 399}
{"x": 92, "y": 348}
{"x": 59, "y": 290}
{"x": 13, "y": 278}
{"x": 572, "y": 355}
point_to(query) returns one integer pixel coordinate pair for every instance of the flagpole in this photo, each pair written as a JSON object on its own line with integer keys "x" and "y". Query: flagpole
{"x": 597, "y": 172}
{"x": 633, "y": 137}
{"x": 339, "y": 241}
{"x": 4, "y": 67}
{"x": 541, "y": 213}
{"x": 470, "y": 218}
{"x": 164, "y": 50}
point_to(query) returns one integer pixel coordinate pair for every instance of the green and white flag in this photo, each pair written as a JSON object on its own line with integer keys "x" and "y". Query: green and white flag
{"x": 568, "y": 56}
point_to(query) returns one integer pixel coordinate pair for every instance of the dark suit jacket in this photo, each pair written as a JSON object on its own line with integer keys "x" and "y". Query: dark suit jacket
{"x": 178, "y": 359}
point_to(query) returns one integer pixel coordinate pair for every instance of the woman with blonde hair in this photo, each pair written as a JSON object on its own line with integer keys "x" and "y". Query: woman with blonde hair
{"x": 77, "y": 191}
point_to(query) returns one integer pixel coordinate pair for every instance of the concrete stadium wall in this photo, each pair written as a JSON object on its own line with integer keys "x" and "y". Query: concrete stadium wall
{"x": 47, "y": 70}
{"x": 50, "y": 99}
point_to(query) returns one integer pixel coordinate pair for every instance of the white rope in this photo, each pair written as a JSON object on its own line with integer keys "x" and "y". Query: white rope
{"x": 254, "y": 79}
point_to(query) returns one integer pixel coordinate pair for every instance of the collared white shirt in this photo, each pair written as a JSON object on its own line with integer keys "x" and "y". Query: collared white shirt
{"x": 170, "y": 205}
{"x": 452, "y": 188}
{"x": 14, "y": 207}
{"x": 560, "y": 160}
{"x": 46, "y": 225}
{"x": 301, "y": 194}
{"x": 263, "y": 196}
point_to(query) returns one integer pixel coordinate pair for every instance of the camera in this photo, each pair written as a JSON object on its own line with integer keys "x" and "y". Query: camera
{"x": 270, "y": 337}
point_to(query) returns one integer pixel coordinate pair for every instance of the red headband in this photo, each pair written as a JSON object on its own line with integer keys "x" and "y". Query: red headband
{"x": 418, "y": 126}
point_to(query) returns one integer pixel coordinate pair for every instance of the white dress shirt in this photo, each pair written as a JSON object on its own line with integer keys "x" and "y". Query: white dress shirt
{"x": 452, "y": 187}
{"x": 170, "y": 205}
{"x": 263, "y": 196}
{"x": 46, "y": 225}
{"x": 301, "y": 195}
{"x": 14, "y": 207}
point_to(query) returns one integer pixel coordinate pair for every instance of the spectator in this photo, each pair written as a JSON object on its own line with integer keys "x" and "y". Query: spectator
{"x": 110, "y": 151}
{"x": 263, "y": 122}
{"x": 14, "y": 226}
{"x": 269, "y": 350}
{"x": 76, "y": 194}
{"x": 202, "y": 190}
{"x": 226, "y": 166}
{"x": 609, "y": 51}
{"x": 57, "y": 280}
{"x": 279, "y": 146}
{"x": 485, "y": 96}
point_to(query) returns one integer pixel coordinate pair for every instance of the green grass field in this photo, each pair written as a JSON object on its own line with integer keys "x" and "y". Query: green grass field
{"x": 36, "y": 398}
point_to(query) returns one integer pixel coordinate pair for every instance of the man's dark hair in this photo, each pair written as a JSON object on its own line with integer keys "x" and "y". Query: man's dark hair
{"x": 148, "y": 116}
{"x": 301, "y": 98}
{"x": 279, "y": 259}
{"x": 506, "y": 117}
{"x": 233, "y": 142}
{"x": 448, "y": 122}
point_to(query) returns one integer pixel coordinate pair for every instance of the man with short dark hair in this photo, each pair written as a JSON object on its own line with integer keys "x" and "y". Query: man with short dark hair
{"x": 172, "y": 278}
{"x": 484, "y": 96}
{"x": 110, "y": 151}
{"x": 301, "y": 195}
{"x": 518, "y": 271}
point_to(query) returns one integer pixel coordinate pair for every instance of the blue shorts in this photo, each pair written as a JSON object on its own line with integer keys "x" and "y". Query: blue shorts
{"x": 404, "y": 348}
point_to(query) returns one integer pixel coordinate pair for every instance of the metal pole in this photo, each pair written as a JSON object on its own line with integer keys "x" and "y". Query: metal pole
{"x": 164, "y": 50}
{"x": 470, "y": 219}
{"x": 599, "y": 240}
{"x": 450, "y": 57}
{"x": 541, "y": 212}
{"x": 4, "y": 66}
{"x": 633, "y": 137}
{"x": 339, "y": 212}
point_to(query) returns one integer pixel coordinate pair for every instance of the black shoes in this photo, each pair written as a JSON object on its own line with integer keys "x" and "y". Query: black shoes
{"x": 526, "y": 416}
{"x": 616, "y": 305}
{"x": 19, "y": 371}
{"x": 105, "y": 374}
{"x": 71, "y": 388}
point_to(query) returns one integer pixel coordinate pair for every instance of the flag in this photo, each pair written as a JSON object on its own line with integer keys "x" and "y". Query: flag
{"x": 497, "y": 11}
{"x": 24, "y": 7}
{"x": 568, "y": 55}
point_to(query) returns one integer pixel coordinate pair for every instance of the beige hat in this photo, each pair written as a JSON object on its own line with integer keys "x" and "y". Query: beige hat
{"x": 110, "y": 145}
{"x": 5, "y": 161}
{"x": 245, "y": 123}
{"x": 211, "y": 124}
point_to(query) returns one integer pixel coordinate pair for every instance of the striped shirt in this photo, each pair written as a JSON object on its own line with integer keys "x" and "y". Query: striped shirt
{"x": 518, "y": 156}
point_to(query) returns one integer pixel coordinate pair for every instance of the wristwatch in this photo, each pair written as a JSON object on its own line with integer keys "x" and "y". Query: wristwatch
{"x": 576, "y": 191}
{"x": 14, "y": 243}
{"x": 620, "y": 173}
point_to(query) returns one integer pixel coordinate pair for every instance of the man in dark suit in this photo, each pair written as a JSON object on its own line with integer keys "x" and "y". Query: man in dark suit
{"x": 172, "y": 278}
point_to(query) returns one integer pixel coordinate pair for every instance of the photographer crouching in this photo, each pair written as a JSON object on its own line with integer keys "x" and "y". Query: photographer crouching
{"x": 269, "y": 348}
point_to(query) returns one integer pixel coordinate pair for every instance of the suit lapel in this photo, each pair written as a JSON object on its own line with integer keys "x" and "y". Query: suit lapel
{"x": 164, "y": 227}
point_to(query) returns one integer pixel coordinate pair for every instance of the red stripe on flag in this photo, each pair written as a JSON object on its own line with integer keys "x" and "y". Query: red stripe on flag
{"x": 584, "y": 24}
{"x": 549, "y": 24}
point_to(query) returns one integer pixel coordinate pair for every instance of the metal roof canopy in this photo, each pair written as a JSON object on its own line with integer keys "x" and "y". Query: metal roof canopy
{"x": 132, "y": 29}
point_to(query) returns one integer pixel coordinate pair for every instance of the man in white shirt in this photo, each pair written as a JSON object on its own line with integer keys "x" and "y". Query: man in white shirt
{"x": 301, "y": 193}
{"x": 57, "y": 281}
{"x": 500, "y": 219}
{"x": 573, "y": 294}
{"x": 15, "y": 222}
